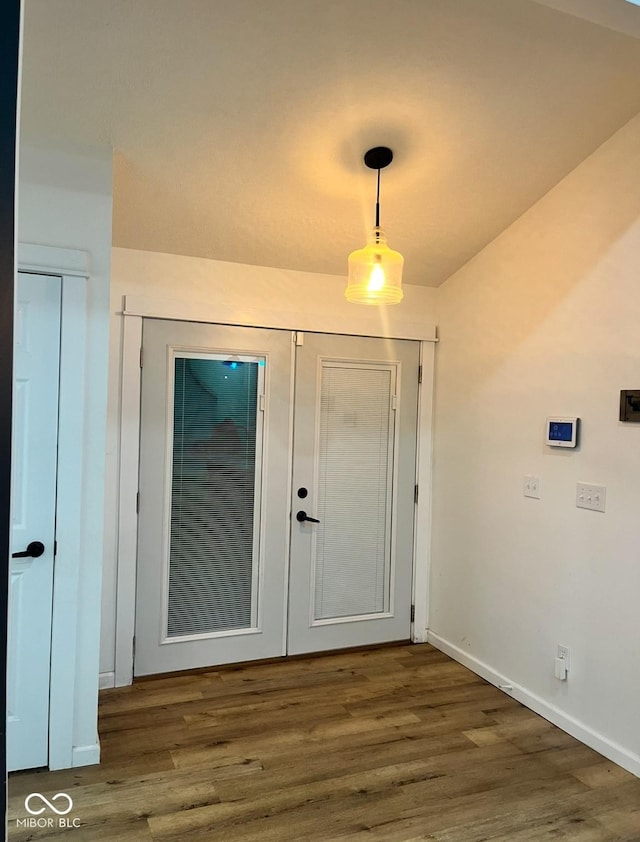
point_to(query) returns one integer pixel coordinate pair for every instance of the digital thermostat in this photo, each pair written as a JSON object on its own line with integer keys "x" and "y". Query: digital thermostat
{"x": 562, "y": 432}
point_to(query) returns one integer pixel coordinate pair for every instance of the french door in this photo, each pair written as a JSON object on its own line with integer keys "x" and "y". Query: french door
{"x": 276, "y": 493}
{"x": 354, "y": 462}
{"x": 215, "y": 437}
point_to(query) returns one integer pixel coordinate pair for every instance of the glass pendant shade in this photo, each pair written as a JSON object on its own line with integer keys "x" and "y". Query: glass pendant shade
{"x": 375, "y": 273}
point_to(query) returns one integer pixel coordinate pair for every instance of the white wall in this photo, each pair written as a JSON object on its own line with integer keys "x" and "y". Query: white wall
{"x": 65, "y": 201}
{"x": 249, "y": 292}
{"x": 546, "y": 320}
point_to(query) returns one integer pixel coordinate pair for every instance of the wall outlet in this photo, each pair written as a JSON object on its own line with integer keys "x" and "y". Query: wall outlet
{"x": 589, "y": 496}
{"x": 532, "y": 486}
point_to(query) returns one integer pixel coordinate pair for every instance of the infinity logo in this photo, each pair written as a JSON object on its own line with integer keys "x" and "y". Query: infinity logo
{"x": 48, "y": 804}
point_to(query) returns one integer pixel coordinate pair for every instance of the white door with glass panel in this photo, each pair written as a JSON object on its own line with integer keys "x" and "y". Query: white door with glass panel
{"x": 33, "y": 500}
{"x": 214, "y": 509}
{"x": 221, "y": 551}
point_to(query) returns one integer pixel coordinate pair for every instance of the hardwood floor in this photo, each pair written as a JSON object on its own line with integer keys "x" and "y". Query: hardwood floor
{"x": 399, "y": 744}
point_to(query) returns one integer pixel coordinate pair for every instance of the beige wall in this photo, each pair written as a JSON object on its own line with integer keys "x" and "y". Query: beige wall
{"x": 544, "y": 321}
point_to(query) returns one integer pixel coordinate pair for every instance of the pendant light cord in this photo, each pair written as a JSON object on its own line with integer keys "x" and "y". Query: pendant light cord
{"x": 378, "y": 207}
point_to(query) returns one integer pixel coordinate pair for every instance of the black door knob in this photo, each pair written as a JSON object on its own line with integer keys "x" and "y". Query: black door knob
{"x": 302, "y": 516}
{"x": 34, "y": 550}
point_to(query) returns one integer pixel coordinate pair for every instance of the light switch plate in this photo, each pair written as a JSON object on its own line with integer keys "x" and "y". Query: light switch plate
{"x": 563, "y": 652}
{"x": 589, "y": 496}
{"x": 532, "y": 486}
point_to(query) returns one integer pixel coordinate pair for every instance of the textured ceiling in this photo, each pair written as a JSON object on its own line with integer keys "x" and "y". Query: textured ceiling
{"x": 239, "y": 125}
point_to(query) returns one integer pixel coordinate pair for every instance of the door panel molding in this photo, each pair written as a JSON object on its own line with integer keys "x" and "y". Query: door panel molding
{"x": 174, "y": 353}
{"x": 394, "y": 368}
{"x": 137, "y": 307}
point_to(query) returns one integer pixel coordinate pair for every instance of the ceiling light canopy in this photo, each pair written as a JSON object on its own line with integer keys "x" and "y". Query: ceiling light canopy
{"x": 375, "y": 271}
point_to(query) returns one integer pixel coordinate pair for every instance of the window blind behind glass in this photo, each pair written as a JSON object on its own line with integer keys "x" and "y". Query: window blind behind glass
{"x": 213, "y": 482}
{"x": 353, "y": 545}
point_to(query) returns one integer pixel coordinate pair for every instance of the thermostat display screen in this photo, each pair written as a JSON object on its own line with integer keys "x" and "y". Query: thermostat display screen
{"x": 561, "y": 431}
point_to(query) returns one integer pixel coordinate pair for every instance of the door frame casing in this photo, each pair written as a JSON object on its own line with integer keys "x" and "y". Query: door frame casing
{"x": 135, "y": 308}
{"x": 71, "y": 266}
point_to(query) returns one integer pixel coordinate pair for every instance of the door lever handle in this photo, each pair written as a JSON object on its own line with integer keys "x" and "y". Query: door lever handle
{"x": 302, "y": 516}
{"x": 34, "y": 550}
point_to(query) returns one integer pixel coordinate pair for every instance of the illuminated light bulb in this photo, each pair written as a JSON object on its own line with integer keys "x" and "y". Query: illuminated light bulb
{"x": 376, "y": 278}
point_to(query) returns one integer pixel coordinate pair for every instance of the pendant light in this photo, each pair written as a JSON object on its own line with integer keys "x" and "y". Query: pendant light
{"x": 375, "y": 271}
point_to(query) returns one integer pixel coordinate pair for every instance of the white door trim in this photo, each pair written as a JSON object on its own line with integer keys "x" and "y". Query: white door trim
{"x": 422, "y": 523}
{"x": 51, "y": 260}
{"x": 72, "y": 267}
{"x": 127, "y": 540}
{"x": 365, "y": 321}
{"x": 134, "y": 309}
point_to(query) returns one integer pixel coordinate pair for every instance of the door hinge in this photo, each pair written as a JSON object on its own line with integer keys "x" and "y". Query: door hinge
{"x": 55, "y": 548}
{"x": 415, "y": 493}
{"x": 262, "y": 402}
{"x": 394, "y": 401}
{"x": 133, "y": 647}
{"x": 419, "y": 374}
{"x": 141, "y": 356}
{"x": 413, "y": 613}
{"x": 137, "y": 502}
{"x": 298, "y": 337}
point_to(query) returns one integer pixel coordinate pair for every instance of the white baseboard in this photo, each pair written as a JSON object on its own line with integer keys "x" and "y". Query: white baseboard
{"x": 107, "y": 680}
{"x": 86, "y": 755}
{"x": 611, "y": 750}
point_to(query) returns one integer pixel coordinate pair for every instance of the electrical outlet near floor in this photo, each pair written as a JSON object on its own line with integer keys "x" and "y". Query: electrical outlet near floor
{"x": 532, "y": 486}
{"x": 589, "y": 496}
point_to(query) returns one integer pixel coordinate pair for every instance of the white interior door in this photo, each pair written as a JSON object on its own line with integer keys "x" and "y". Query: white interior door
{"x": 33, "y": 495}
{"x": 214, "y": 502}
{"x": 354, "y": 472}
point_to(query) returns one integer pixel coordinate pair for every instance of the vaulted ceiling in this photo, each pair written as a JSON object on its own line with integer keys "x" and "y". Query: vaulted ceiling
{"x": 238, "y": 126}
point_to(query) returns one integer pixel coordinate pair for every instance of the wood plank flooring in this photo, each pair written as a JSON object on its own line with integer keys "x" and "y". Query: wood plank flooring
{"x": 397, "y": 744}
